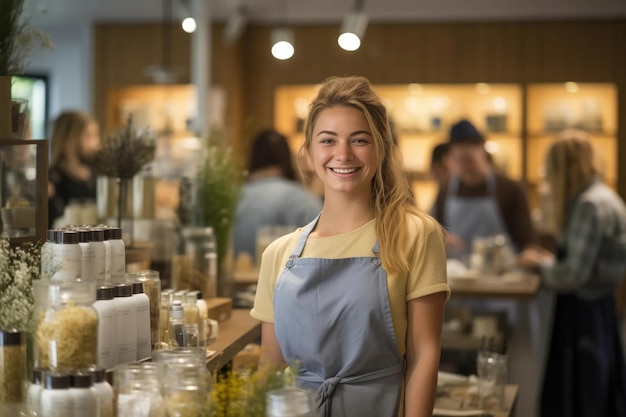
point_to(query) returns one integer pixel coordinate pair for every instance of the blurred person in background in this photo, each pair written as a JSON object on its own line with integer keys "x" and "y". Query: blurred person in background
{"x": 477, "y": 202}
{"x": 75, "y": 142}
{"x": 585, "y": 374}
{"x": 440, "y": 164}
{"x": 273, "y": 195}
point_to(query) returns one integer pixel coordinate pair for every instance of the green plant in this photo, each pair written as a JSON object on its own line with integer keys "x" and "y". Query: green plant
{"x": 219, "y": 181}
{"x": 17, "y": 38}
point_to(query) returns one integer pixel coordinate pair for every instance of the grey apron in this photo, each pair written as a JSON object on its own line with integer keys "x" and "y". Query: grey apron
{"x": 473, "y": 217}
{"x": 332, "y": 317}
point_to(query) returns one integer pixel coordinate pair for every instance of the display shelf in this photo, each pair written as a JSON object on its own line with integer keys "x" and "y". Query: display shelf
{"x": 421, "y": 115}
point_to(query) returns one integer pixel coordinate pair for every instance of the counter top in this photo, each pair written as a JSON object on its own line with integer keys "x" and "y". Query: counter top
{"x": 234, "y": 334}
{"x": 513, "y": 285}
{"x": 458, "y": 402}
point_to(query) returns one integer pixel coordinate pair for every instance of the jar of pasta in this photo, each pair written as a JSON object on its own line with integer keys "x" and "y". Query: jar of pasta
{"x": 12, "y": 366}
{"x": 152, "y": 288}
{"x": 66, "y": 334}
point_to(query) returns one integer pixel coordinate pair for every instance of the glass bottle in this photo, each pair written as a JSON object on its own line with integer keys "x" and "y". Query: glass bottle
{"x": 185, "y": 389}
{"x": 192, "y": 319}
{"x": 66, "y": 334}
{"x": 166, "y": 297}
{"x": 201, "y": 249}
{"x": 176, "y": 325}
{"x": 152, "y": 288}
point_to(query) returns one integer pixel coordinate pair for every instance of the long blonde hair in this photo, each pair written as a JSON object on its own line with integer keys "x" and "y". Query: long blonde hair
{"x": 391, "y": 195}
{"x": 66, "y": 134}
{"x": 570, "y": 166}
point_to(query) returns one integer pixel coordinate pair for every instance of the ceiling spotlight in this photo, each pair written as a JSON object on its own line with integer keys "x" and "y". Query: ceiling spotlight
{"x": 235, "y": 25}
{"x": 189, "y": 24}
{"x": 282, "y": 43}
{"x": 353, "y": 28}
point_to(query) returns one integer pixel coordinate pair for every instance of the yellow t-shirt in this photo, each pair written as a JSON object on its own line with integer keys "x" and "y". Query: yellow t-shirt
{"x": 425, "y": 250}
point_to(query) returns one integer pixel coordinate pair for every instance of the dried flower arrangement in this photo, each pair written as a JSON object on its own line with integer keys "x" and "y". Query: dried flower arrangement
{"x": 18, "y": 268}
{"x": 123, "y": 154}
{"x": 17, "y": 39}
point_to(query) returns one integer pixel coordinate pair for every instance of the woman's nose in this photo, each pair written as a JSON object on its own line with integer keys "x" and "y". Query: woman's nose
{"x": 343, "y": 151}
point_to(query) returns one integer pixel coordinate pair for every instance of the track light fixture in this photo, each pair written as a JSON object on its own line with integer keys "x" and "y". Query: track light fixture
{"x": 282, "y": 43}
{"x": 235, "y": 24}
{"x": 353, "y": 27}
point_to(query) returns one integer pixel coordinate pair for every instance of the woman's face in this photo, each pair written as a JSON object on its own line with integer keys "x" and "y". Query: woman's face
{"x": 342, "y": 151}
{"x": 89, "y": 142}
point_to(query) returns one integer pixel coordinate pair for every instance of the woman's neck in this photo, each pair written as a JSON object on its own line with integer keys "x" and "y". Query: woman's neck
{"x": 342, "y": 214}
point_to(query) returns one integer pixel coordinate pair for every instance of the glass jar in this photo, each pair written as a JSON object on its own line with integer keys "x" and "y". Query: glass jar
{"x": 195, "y": 356}
{"x": 290, "y": 402}
{"x": 201, "y": 251}
{"x": 152, "y": 288}
{"x": 12, "y": 366}
{"x": 166, "y": 298}
{"x": 185, "y": 389}
{"x": 66, "y": 334}
{"x": 137, "y": 390}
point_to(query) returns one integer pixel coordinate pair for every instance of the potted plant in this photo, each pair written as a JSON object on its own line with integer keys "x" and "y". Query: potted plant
{"x": 17, "y": 41}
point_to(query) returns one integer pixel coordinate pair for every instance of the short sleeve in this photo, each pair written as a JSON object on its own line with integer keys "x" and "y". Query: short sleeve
{"x": 272, "y": 264}
{"x": 427, "y": 257}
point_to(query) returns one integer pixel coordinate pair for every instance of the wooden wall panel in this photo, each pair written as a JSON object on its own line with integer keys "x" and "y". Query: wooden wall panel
{"x": 520, "y": 52}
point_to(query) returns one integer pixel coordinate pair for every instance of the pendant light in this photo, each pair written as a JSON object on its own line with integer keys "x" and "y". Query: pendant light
{"x": 282, "y": 38}
{"x": 353, "y": 27}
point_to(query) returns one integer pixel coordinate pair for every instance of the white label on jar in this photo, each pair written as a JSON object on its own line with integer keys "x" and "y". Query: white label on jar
{"x": 107, "y": 262}
{"x": 118, "y": 260}
{"x": 144, "y": 342}
{"x": 140, "y": 404}
{"x": 126, "y": 329}
{"x": 99, "y": 263}
{"x": 88, "y": 262}
{"x": 65, "y": 262}
{"x": 56, "y": 403}
{"x": 85, "y": 402}
{"x": 108, "y": 350}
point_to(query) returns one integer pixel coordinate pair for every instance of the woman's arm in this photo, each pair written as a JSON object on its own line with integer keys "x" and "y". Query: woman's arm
{"x": 423, "y": 349}
{"x": 271, "y": 355}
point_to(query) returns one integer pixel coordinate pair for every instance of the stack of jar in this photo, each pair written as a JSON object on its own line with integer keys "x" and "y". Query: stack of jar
{"x": 92, "y": 253}
{"x": 70, "y": 393}
{"x": 184, "y": 320}
{"x": 176, "y": 384}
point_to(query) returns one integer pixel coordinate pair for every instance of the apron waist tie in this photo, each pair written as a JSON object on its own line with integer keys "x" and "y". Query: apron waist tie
{"x": 325, "y": 391}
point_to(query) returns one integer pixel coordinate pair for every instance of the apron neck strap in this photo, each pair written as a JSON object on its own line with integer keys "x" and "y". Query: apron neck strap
{"x": 297, "y": 252}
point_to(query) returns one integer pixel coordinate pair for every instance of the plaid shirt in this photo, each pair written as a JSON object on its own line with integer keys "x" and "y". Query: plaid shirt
{"x": 591, "y": 260}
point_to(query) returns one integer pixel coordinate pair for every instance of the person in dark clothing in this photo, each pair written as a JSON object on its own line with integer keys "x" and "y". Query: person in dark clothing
{"x": 477, "y": 202}
{"x": 75, "y": 142}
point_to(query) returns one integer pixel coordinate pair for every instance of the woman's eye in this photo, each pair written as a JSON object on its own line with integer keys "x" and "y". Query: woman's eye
{"x": 360, "y": 141}
{"x": 326, "y": 141}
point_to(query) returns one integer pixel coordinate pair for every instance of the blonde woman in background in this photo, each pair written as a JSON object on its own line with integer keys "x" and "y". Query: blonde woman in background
{"x": 585, "y": 374}
{"x": 75, "y": 142}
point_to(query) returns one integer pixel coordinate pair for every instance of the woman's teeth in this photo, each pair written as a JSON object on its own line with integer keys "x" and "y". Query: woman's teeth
{"x": 343, "y": 171}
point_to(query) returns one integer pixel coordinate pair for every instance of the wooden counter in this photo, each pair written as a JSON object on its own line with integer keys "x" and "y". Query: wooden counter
{"x": 514, "y": 285}
{"x": 234, "y": 334}
{"x": 457, "y": 404}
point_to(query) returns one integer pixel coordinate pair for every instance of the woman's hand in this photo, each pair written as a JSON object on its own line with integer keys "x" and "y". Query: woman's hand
{"x": 533, "y": 256}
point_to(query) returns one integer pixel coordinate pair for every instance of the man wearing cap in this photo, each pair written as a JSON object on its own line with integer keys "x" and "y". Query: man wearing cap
{"x": 477, "y": 202}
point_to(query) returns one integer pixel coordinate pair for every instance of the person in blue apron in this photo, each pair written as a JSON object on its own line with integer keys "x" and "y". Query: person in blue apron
{"x": 477, "y": 202}
{"x": 585, "y": 374}
{"x": 357, "y": 296}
